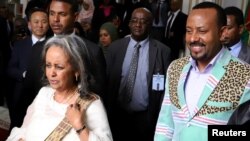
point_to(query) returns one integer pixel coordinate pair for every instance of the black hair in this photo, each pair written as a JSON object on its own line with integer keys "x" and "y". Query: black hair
{"x": 35, "y": 9}
{"x": 221, "y": 16}
{"x": 237, "y": 13}
{"x": 74, "y": 4}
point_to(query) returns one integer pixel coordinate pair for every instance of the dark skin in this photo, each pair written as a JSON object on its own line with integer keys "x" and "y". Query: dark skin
{"x": 140, "y": 24}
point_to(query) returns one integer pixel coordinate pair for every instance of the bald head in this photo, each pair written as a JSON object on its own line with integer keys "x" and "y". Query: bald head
{"x": 140, "y": 24}
{"x": 147, "y": 13}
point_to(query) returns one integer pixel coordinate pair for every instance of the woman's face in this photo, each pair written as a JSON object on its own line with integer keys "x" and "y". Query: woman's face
{"x": 104, "y": 38}
{"x": 58, "y": 69}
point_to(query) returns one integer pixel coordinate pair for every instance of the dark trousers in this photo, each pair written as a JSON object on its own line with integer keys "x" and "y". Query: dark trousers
{"x": 131, "y": 126}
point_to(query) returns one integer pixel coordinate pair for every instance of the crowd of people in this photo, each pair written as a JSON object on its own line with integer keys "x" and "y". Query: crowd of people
{"x": 97, "y": 70}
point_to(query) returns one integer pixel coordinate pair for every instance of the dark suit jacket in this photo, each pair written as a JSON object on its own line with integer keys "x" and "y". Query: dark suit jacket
{"x": 33, "y": 83}
{"x": 158, "y": 63}
{"x": 241, "y": 116}
{"x": 245, "y": 54}
{"x": 5, "y": 41}
{"x": 164, "y": 10}
{"x": 19, "y": 58}
{"x": 178, "y": 28}
{"x": 17, "y": 65}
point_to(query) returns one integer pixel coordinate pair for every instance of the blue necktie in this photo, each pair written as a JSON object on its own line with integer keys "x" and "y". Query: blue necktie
{"x": 129, "y": 87}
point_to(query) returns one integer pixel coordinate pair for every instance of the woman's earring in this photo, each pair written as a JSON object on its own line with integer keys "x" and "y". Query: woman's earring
{"x": 76, "y": 78}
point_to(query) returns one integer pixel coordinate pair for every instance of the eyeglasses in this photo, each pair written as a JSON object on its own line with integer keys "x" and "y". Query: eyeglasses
{"x": 140, "y": 21}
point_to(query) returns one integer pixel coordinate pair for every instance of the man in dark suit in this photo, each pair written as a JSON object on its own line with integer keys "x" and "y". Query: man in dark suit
{"x": 62, "y": 15}
{"x": 175, "y": 29}
{"x": 38, "y": 23}
{"x": 6, "y": 32}
{"x": 232, "y": 38}
{"x": 133, "y": 114}
{"x": 159, "y": 10}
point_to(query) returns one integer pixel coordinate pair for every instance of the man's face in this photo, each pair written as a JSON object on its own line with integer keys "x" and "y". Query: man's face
{"x": 203, "y": 35}
{"x": 39, "y": 24}
{"x": 233, "y": 32}
{"x": 61, "y": 18}
{"x": 139, "y": 24}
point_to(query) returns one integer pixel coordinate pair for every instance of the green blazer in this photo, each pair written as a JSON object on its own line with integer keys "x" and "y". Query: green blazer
{"x": 227, "y": 87}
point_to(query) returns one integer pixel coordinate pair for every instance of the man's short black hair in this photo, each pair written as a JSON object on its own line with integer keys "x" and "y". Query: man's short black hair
{"x": 35, "y": 3}
{"x": 35, "y": 9}
{"x": 237, "y": 13}
{"x": 221, "y": 16}
{"x": 73, "y": 3}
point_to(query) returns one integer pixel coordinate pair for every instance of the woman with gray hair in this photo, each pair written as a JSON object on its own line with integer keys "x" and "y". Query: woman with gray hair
{"x": 64, "y": 108}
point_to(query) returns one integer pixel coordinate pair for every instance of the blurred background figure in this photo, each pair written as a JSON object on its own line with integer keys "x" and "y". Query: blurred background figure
{"x": 90, "y": 32}
{"x": 108, "y": 33}
{"x": 21, "y": 30}
{"x": 175, "y": 29}
{"x": 78, "y": 29}
{"x": 159, "y": 9}
{"x": 38, "y": 24}
{"x": 232, "y": 37}
{"x": 6, "y": 32}
{"x": 87, "y": 11}
{"x": 85, "y": 17}
{"x": 106, "y": 11}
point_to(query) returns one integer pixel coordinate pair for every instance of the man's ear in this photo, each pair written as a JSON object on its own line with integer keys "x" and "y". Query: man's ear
{"x": 223, "y": 32}
{"x": 241, "y": 29}
{"x": 29, "y": 25}
{"x": 76, "y": 16}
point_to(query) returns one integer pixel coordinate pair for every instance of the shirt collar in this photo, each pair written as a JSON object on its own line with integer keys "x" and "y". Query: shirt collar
{"x": 210, "y": 64}
{"x": 142, "y": 43}
{"x": 35, "y": 39}
{"x": 237, "y": 45}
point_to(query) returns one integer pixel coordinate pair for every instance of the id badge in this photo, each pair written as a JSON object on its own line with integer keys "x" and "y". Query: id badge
{"x": 158, "y": 82}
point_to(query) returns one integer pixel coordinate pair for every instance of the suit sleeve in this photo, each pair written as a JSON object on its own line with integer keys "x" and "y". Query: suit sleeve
{"x": 13, "y": 70}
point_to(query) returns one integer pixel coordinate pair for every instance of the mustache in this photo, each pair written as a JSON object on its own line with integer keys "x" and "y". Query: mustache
{"x": 196, "y": 44}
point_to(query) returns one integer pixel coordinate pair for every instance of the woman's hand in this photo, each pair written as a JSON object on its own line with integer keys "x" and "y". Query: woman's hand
{"x": 74, "y": 115}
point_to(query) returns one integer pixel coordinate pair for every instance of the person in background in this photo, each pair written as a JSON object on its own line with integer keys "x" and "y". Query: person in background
{"x": 204, "y": 88}
{"x": 159, "y": 10}
{"x": 21, "y": 29}
{"x": 125, "y": 13}
{"x": 6, "y": 32}
{"x": 85, "y": 19}
{"x": 108, "y": 33}
{"x": 87, "y": 11}
{"x": 134, "y": 95}
{"x": 65, "y": 101}
{"x": 104, "y": 13}
{"x": 175, "y": 29}
{"x": 38, "y": 23}
{"x": 61, "y": 24}
{"x": 78, "y": 29}
{"x": 232, "y": 38}
{"x": 90, "y": 32}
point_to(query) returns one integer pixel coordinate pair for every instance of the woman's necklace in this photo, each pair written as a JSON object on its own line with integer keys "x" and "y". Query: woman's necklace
{"x": 64, "y": 101}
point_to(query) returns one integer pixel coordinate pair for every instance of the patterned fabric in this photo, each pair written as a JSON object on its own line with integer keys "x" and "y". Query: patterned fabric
{"x": 132, "y": 74}
{"x": 227, "y": 87}
{"x": 64, "y": 126}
